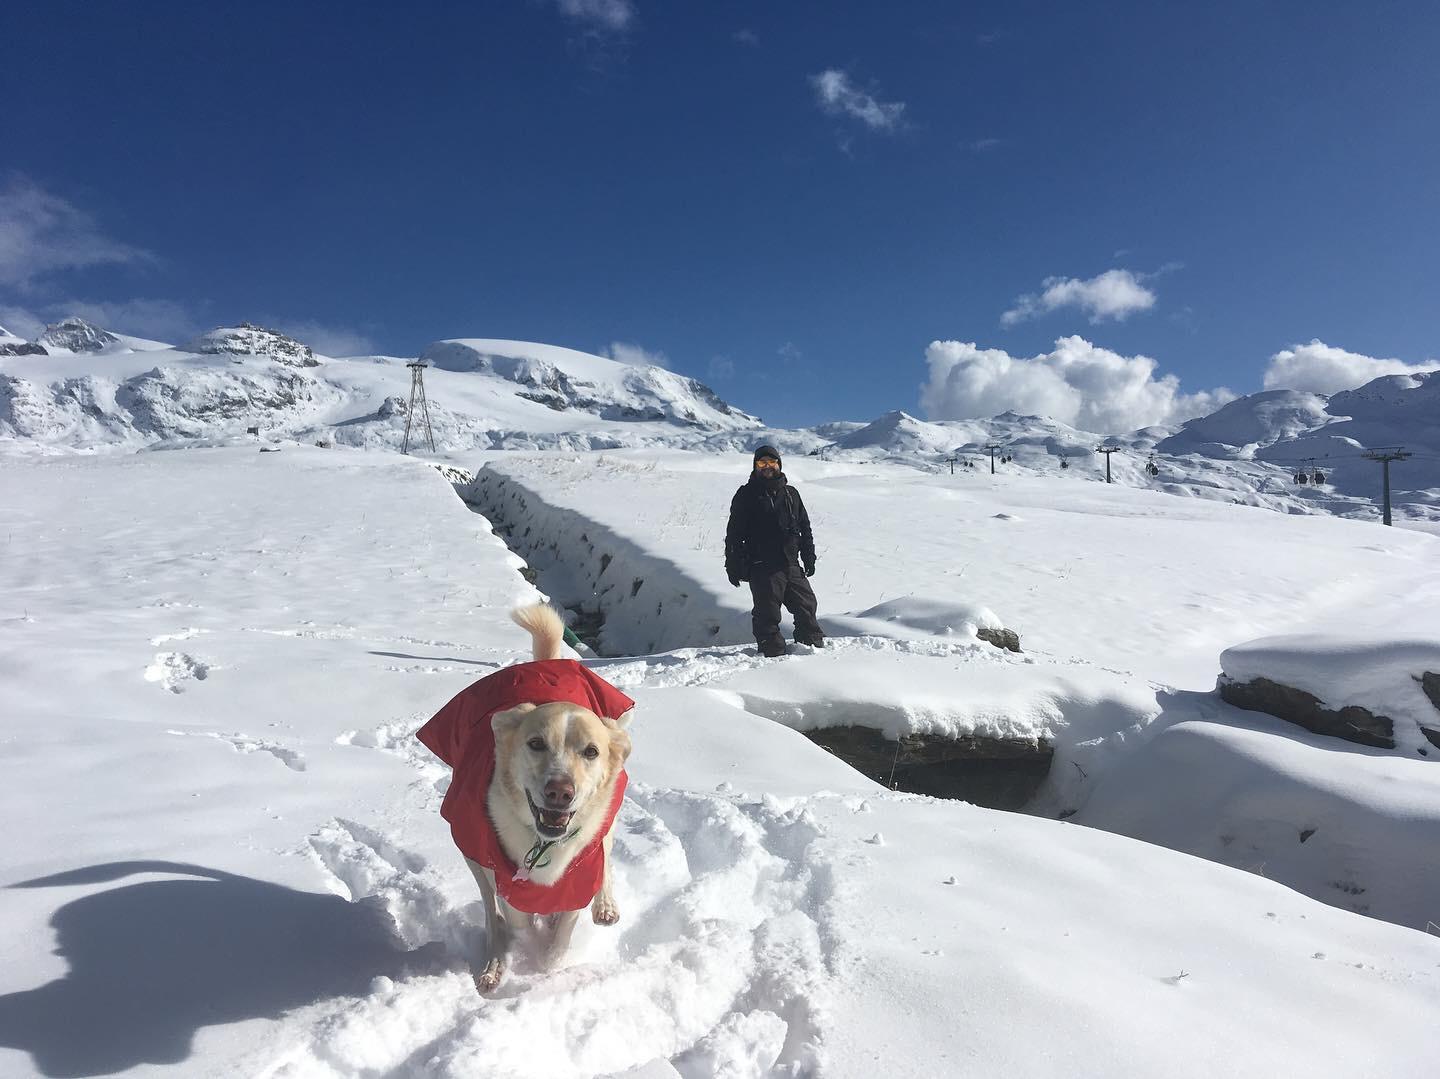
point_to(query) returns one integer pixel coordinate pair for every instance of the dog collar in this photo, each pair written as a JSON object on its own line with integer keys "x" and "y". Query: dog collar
{"x": 541, "y": 849}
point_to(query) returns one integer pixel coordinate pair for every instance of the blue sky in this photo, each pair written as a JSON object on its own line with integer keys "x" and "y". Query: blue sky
{"x": 790, "y": 201}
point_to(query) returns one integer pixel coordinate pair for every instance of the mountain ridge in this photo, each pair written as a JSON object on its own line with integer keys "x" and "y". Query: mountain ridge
{"x": 92, "y": 389}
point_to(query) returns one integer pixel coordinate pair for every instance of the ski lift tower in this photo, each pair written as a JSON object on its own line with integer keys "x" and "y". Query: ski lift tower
{"x": 417, "y": 396}
{"x": 1386, "y": 454}
{"x": 1107, "y": 451}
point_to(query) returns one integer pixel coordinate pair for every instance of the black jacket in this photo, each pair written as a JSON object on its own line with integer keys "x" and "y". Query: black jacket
{"x": 768, "y": 529}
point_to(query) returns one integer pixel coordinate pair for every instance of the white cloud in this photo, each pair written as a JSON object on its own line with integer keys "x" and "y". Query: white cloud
{"x": 1078, "y": 383}
{"x": 22, "y": 322}
{"x": 838, "y": 96}
{"x": 1114, "y": 294}
{"x": 41, "y": 233}
{"x": 746, "y": 36}
{"x": 1321, "y": 368}
{"x": 157, "y": 320}
{"x": 624, "y": 352}
{"x": 326, "y": 340}
{"x": 721, "y": 367}
{"x": 600, "y": 14}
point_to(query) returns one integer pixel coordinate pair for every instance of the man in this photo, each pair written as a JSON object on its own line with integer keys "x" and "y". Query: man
{"x": 766, "y": 542}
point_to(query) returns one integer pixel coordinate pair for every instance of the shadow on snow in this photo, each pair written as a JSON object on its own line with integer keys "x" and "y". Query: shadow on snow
{"x": 153, "y": 962}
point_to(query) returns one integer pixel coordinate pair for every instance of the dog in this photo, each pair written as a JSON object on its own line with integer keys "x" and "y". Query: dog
{"x": 537, "y": 752}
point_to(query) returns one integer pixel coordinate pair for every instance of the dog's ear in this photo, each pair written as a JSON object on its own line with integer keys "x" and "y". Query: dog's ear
{"x": 508, "y": 720}
{"x": 623, "y": 721}
{"x": 619, "y": 750}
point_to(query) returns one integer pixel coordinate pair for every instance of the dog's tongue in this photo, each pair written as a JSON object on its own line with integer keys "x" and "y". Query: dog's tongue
{"x": 554, "y": 820}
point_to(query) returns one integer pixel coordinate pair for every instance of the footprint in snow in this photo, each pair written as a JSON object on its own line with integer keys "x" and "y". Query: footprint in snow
{"x": 243, "y": 743}
{"x": 182, "y": 635}
{"x": 172, "y": 670}
{"x": 719, "y": 965}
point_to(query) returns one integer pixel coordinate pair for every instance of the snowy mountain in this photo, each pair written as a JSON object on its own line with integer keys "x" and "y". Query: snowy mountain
{"x": 248, "y": 339}
{"x": 89, "y": 388}
{"x": 1304, "y": 433}
{"x": 113, "y": 391}
{"x": 1249, "y": 423}
{"x": 77, "y": 335}
{"x": 565, "y": 380}
{"x": 1251, "y": 451}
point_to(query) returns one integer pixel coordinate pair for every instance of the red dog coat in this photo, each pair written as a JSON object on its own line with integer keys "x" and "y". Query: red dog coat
{"x": 460, "y": 734}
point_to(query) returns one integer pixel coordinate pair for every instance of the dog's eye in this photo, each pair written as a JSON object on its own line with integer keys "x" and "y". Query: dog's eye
{"x": 590, "y": 753}
{"x": 537, "y": 744}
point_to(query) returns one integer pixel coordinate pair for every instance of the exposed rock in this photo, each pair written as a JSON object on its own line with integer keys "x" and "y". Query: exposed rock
{"x": 998, "y": 773}
{"x": 1353, "y": 723}
{"x": 1430, "y": 683}
{"x": 22, "y": 348}
{"x": 77, "y": 335}
{"x": 549, "y": 400}
{"x": 247, "y": 339}
{"x": 1007, "y": 639}
{"x": 631, "y": 412}
{"x": 163, "y": 402}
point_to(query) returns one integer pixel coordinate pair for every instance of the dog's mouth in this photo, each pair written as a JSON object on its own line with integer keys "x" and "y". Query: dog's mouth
{"x": 552, "y": 824}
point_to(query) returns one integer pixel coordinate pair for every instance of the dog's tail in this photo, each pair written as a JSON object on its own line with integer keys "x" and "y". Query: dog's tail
{"x": 546, "y": 629}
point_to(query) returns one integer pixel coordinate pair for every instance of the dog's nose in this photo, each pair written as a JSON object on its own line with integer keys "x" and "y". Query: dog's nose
{"x": 559, "y": 791}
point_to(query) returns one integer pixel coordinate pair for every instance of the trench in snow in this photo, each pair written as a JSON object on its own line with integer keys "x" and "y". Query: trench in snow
{"x": 625, "y": 602}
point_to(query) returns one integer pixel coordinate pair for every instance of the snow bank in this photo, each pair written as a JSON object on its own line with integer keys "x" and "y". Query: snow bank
{"x": 1383, "y": 676}
{"x": 1347, "y": 828}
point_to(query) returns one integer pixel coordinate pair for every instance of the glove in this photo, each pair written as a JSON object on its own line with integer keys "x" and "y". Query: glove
{"x": 735, "y": 578}
{"x": 810, "y": 568}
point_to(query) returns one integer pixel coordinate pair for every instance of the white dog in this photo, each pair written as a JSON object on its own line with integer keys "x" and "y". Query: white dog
{"x": 538, "y": 752}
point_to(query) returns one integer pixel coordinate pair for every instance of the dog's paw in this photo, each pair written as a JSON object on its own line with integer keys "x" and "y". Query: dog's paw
{"x": 490, "y": 977}
{"x": 605, "y": 912}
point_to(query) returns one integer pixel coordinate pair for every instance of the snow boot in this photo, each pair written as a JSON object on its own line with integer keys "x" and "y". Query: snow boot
{"x": 772, "y": 648}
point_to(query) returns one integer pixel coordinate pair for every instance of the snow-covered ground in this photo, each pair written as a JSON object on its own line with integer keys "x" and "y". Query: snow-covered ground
{"x": 225, "y": 855}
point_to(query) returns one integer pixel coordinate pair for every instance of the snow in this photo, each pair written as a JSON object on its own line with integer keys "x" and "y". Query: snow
{"x": 248, "y": 339}
{"x": 1114, "y": 576}
{"x": 218, "y": 387}
{"x": 227, "y": 856}
{"x": 1263, "y": 796}
{"x": 1260, "y": 419}
{"x": 1343, "y": 668}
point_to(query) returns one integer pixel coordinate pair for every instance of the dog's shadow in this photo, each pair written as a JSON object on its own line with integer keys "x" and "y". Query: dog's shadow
{"x": 153, "y": 962}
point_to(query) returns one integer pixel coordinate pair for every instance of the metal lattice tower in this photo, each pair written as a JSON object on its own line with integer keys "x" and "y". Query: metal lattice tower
{"x": 417, "y": 396}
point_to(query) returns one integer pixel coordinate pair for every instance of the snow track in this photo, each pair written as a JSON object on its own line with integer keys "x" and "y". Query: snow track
{"x": 719, "y": 965}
